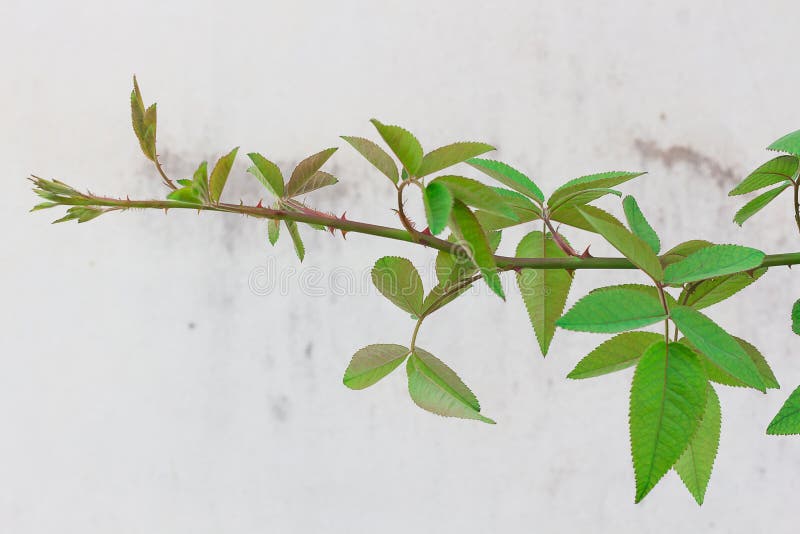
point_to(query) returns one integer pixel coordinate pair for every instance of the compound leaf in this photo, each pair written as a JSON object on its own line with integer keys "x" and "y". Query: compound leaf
{"x": 398, "y": 280}
{"x": 436, "y": 388}
{"x": 718, "y": 345}
{"x": 639, "y": 225}
{"x": 306, "y": 170}
{"x": 267, "y": 173}
{"x": 619, "y": 352}
{"x": 449, "y": 155}
{"x": 774, "y": 171}
{"x": 544, "y": 291}
{"x": 375, "y": 155}
{"x": 715, "y": 260}
{"x": 787, "y": 420}
{"x": 219, "y": 175}
{"x": 668, "y": 396}
{"x": 467, "y": 228}
{"x": 438, "y": 202}
{"x": 508, "y": 176}
{"x": 758, "y": 203}
{"x": 372, "y": 363}
{"x": 404, "y": 145}
{"x": 613, "y": 310}
{"x": 695, "y": 464}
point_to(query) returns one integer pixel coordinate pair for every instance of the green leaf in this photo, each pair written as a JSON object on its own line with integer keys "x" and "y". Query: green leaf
{"x": 619, "y": 352}
{"x": 508, "y": 176}
{"x": 796, "y": 318}
{"x": 200, "y": 180}
{"x": 306, "y": 171}
{"x": 318, "y": 180}
{"x": 631, "y": 246}
{"x": 144, "y": 122}
{"x": 294, "y": 233}
{"x": 186, "y": 194}
{"x": 713, "y": 290}
{"x": 449, "y": 155}
{"x": 681, "y": 251}
{"x": 441, "y": 295}
{"x": 438, "y": 203}
{"x": 758, "y": 203}
{"x": 639, "y": 225}
{"x": 273, "y": 231}
{"x": 473, "y": 193}
{"x": 717, "y": 345}
{"x": 580, "y": 198}
{"x": 574, "y": 217}
{"x": 524, "y": 211}
{"x": 592, "y": 181}
{"x": 375, "y": 155}
{"x": 789, "y": 143}
{"x": 695, "y": 464}
{"x": 372, "y": 363}
{"x": 774, "y": 171}
{"x": 544, "y": 291}
{"x": 404, "y": 145}
{"x": 652, "y": 291}
{"x": 219, "y": 175}
{"x": 438, "y": 389}
{"x": 716, "y": 374}
{"x": 398, "y": 280}
{"x": 466, "y": 226}
{"x": 267, "y": 173}
{"x": 667, "y": 400}
{"x": 613, "y": 310}
{"x": 715, "y": 260}
{"x": 787, "y": 420}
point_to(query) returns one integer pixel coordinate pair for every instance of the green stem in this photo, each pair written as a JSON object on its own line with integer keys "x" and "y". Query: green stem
{"x": 797, "y": 203}
{"x": 504, "y": 263}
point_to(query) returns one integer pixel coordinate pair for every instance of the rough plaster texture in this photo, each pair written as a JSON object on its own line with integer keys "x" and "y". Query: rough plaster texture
{"x": 144, "y": 385}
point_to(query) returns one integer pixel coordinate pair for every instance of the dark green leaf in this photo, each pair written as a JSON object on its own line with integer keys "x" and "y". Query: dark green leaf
{"x": 611, "y": 311}
{"x": 796, "y": 318}
{"x": 787, "y": 420}
{"x": 774, "y": 171}
{"x": 639, "y": 225}
{"x": 404, "y": 145}
{"x": 306, "y": 171}
{"x": 695, "y": 464}
{"x": 372, "y": 363}
{"x": 219, "y": 175}
{"x": 438, "y": 203}
{"x": 758, "y": 203}
{"x": 449, "y": 155}
{"x": 375, "y": 155}
{"x": 667, "y": 400}
{"x": 508, "y": 176}
{"x": 267, "y": 173}
{"x": 715, "y": 260}
{"x": 477, "y": 246}
{"x": 436, "y": 388}
{"x": 619, "y": 352}
{"x": 398, "y": 280}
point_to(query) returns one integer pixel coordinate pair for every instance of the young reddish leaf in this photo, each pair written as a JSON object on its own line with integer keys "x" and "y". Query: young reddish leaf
{"x": 639, "y": 225}
{"x": 544, "y": 291}
{"x": 449, "y": 155}
{"x": 668, "y": 396}
{"x": 404, "y": 145}
{"x": 267, "y": 173}
{"x": 144, "y": 122}
{"x": 375, "y": 155}
{"x": 695, "y": 464}
{"x": 619, "y": 352}
{"x": 775, "y": 170}
{"x": 219, "y": 175}
{"x": 508, "y": 176}
{"x": 398, "y": 280}
{"x": 305, "y": 171}
{"x": 372, "y": 363}
{"x": 436, "y": 388}
{"x": 438, "y": 203}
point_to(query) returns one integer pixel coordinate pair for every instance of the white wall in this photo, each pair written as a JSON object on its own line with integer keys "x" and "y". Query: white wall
{"x": 144, "y": 387}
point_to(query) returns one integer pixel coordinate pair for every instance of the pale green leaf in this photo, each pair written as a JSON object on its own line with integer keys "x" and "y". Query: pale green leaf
{"x": 508, "y": 176}
{"x": 695, "y": 464}
{"x": 789, "y": 143}
{"x": 583, "y": 197}
{"x": 398, "y": 280}
{"x": 200, "y": 181}
{"x": 702, "y": 294}
{"x": 631, "y": 246}
{"x": 668, "y": 396}
{"x": 466, "y": 227}
{"x": 404, "y": 145}
{"x": 375, "y": 155}
{"x": 592, "y": 181}
{"x": 297, "y": 241}
{"x": 449, "y": 155}
{"x": 574, "y": 217}
{"x": 775, "y": 170}
{"x": 267, "y": 173}
{"x": 787, "y": 420}
{"x": 438, "y": 202}
{"x": 716, "y": 260}
{"x": 306, "y": 170}
{"x": 619, "y": 352}
{"x": 719, "y": 346}
{"x": 273, "y": 231}
{"x": 639, "y": 225}
{"x": 436, "y": 388}
{"x": 758, "y": 203}
{"x": 372, "y": 363}
{"x": 544, "y": 291}
{"x": 614, "y": 310}
{"x": 219, "y": 175}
